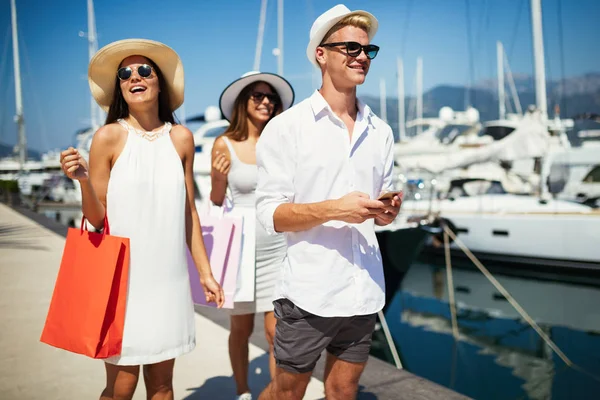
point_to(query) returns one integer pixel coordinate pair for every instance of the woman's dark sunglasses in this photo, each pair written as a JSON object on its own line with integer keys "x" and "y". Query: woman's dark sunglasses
{"x": 259, "y": 96}
{"x": 353, "y": 49}
{"x": 143, "y": 71}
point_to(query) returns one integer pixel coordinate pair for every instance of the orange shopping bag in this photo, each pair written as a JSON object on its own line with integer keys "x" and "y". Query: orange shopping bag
{"x": 87, "y": 310}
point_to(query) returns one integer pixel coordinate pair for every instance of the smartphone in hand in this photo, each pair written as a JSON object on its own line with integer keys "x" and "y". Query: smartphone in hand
{"x": 390, "y": 195}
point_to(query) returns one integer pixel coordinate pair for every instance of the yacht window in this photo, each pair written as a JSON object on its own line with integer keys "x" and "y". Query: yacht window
{"x": 475, "y": 188}
{"x": 497, "y": 132}
{"x": 451, "y": 132}
{"x": 456, "y": 192}
{"x": 495, "y": 188}
{"x": 593, "y": 176}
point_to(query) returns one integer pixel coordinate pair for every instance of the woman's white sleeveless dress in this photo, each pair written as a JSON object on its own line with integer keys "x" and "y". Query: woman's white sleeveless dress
{"x": 145, "y": 199}
{"x": 269, "y": 251}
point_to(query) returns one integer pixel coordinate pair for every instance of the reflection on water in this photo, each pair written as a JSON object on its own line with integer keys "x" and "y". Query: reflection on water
{"x": 68, "y": 217}
{"x": 498, "y": 355}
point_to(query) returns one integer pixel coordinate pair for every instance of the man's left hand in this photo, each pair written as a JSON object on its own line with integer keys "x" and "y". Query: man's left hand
{"x": 392, "y": 207}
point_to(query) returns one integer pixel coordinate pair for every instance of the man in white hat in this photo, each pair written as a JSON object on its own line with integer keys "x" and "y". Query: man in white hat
{"x": 322, "y": 166}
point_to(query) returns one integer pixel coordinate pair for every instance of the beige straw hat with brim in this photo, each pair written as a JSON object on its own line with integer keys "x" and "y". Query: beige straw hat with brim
{"x": 102, "y": 71}
{"x": 281, "y": 85}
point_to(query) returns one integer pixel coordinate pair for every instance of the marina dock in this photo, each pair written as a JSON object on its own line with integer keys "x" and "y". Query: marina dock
{"x": 31, "y": 247}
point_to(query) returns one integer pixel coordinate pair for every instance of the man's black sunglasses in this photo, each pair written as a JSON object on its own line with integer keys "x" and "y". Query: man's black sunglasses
{"x": 353, "y": 49}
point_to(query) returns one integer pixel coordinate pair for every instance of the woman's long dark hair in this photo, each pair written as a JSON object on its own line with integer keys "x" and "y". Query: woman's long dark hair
{"x": 238, "y": 128}
{"x": 119, "y": 108}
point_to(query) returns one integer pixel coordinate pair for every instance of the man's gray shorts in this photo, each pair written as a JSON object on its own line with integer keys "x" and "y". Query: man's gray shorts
{"x": 301, "y": 337}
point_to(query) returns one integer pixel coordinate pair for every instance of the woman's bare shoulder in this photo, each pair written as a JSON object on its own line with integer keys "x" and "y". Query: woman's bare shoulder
{"x": 183, "y": 139}
{"x": 181, "y": 132}
{"x": 220, "y": 145}
{"x": 109, "y": 135}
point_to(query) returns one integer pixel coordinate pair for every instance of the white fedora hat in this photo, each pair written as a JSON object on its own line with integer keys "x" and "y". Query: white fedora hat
{"x": 282, "y": 87}
{"x": 102, "y": 71}
{"x": 327, "y": 20}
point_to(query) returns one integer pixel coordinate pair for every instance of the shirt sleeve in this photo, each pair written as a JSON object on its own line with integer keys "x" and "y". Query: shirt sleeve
{"x": 388, "y": 174}
{"x": 276, "y": 164}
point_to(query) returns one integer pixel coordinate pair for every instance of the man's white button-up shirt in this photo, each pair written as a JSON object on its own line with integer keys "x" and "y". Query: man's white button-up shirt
{"x": 306, "y": 155}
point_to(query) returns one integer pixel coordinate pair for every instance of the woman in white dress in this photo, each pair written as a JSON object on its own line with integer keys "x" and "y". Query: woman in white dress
{"x": 140, "y": 177}
{"x": 249, "y": 103}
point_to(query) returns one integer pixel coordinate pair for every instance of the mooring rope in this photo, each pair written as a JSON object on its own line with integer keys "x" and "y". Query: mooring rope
{"x": 449, "y": 278}
{"x": 502, "y": 290}
{"x": 390, "y": 340}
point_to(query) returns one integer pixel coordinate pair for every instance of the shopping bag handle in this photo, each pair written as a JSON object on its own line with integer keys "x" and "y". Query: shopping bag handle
{"x": 223, "y": 209}
{"x": 105, "y": 230}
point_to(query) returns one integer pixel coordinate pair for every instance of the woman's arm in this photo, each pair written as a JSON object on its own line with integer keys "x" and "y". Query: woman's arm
{"x": 220, "y": 161}
{"x": 183, "y": 140}
{"x": 94, "y": 176}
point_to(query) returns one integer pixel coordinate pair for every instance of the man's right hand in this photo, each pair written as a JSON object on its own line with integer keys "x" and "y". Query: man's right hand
{"x": 357, "y": 207}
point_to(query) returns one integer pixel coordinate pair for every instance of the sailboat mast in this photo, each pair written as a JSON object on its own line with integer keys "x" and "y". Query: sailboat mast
{"x": 18, "y": 93}
{"x": 382, "y": 100}
{"x": 261, "y": 31}
{"x": 92, "y": 49}
{"x": 401, "y": 116}
{"x": 538, "y": 56}
{"x": 501, "y": 97}
{"x": 280, "y": 37}
{"x": 419, "y": 93}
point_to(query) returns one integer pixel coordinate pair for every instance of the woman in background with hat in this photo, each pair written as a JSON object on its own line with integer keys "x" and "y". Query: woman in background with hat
{"x": 249, "y": 103}
{"x": 140, "y": 177}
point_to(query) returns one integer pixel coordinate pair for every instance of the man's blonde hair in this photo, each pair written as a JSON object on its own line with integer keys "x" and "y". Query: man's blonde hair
{"x": 357, "y": 20}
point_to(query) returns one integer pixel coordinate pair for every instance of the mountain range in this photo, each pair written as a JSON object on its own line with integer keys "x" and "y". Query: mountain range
{"x": 576, "y": 95}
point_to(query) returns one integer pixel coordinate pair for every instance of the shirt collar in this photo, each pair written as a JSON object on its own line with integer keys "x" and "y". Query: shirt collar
{"x": 318, "y": 104}
{"x": 320, "y": 107}
{"x": 364, "y": 112}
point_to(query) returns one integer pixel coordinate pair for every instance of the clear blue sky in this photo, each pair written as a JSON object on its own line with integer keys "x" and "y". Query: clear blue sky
{"x": 216, "y": 41}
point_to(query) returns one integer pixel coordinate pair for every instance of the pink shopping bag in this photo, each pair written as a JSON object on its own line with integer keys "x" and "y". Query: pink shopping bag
{"x": 223, "y": 241}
